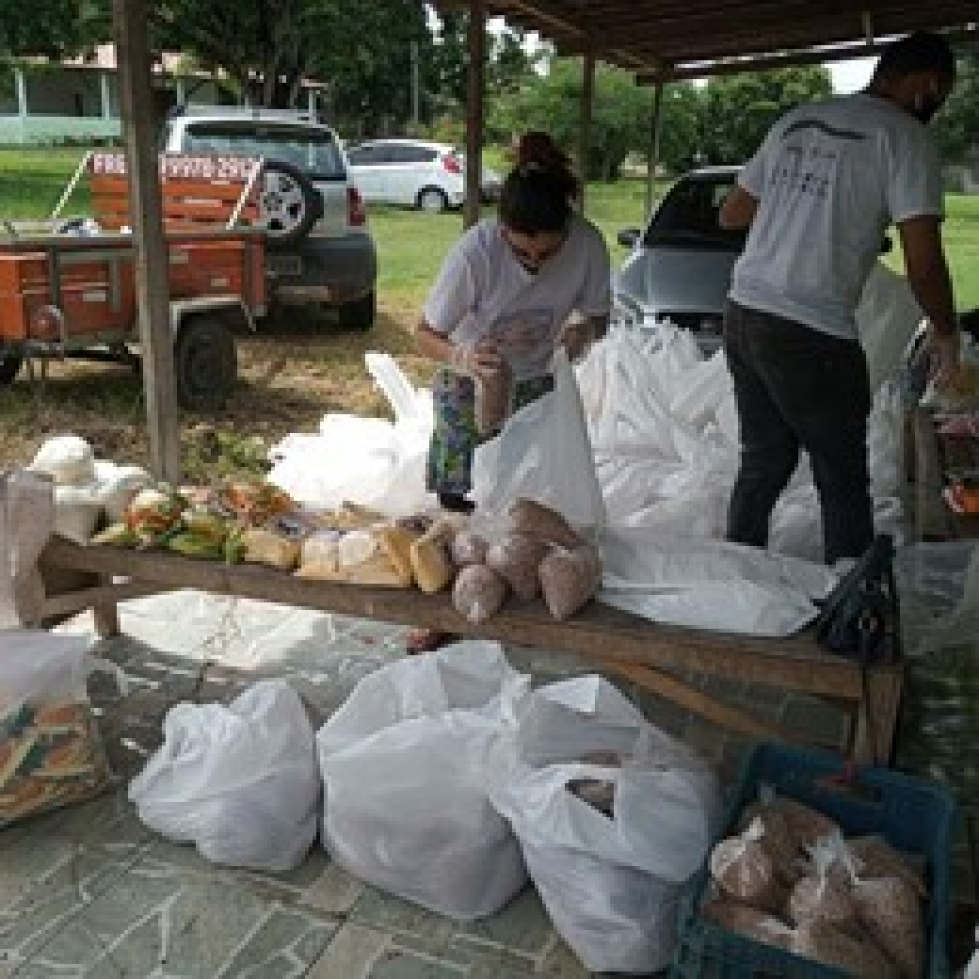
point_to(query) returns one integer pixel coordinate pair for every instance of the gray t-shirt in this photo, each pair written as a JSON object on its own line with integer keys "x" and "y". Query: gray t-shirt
{"x": 830, "y": 178}
{"x": 482, "y": 290}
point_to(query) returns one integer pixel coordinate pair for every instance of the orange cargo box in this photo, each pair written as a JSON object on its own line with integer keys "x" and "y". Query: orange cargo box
{"x": 95, "y": 289}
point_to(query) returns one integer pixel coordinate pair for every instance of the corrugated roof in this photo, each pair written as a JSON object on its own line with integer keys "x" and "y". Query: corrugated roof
{"x": 670, "y": 39}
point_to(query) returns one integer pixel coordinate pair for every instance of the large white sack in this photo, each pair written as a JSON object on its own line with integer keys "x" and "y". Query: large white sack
{"x": 540, "y": 447}
{"x": 370, "y": 461}
{"x": 403, "y": 768}
{"x": 406, "y": 809}
{"x": 238, "y": 781}
{"x": 610, "y": 883}
{"x": 887, "y": 317}
{"x": 466, "y": 675}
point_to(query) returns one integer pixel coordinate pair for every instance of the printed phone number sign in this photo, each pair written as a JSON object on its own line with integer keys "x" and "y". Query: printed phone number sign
{"x": 179, "y": 166}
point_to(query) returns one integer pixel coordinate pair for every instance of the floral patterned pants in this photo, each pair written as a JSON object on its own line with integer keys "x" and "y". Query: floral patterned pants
{"x": 455, "y": 436}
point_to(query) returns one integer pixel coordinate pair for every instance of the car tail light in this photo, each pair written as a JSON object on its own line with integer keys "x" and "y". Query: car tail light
{"x": 356, "y": 212}
{"x": 451, "y": 164}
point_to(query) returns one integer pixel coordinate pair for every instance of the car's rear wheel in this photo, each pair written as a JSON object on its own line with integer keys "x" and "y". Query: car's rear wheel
{"x": 432, "y": 199}
{"x": 288, "y": 204}
{"x": 360, "y": 314}
{"x": 9, "y": 366}
{"x": 205, "y": 363}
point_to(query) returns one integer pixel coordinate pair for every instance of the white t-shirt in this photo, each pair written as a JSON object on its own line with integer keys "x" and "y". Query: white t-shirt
{"x": 482, "y": 290}
{"x": 830, "y": 178}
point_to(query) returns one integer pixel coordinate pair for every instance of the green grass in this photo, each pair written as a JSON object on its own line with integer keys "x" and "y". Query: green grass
{"x": 411, "y": 245}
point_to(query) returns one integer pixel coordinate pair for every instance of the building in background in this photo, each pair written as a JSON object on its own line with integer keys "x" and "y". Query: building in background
{"x": 77, "y": 100}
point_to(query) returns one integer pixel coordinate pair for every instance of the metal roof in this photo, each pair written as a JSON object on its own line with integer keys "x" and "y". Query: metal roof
{"x": 662, "y": 40}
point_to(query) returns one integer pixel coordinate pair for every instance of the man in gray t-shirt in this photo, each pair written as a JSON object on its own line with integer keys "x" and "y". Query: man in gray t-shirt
{"x": 819, "y": 194}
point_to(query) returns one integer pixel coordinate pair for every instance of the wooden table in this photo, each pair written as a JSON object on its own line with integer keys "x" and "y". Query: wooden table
{"x": 648, "y": 654}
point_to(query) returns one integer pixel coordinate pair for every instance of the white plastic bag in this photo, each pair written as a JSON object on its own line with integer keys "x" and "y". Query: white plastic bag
{"x": 406, "y": 810}
{"x": 710, "y": 584}
{"x": 50, "y": 747}
{"x": 370, "y": 461}
{"x": 543, "y": 454}
{"x": 403, "y": 767}
{"x": 238, "y": 781}
{"x": 610, "y": 882}
{"x": 27, "y": 517}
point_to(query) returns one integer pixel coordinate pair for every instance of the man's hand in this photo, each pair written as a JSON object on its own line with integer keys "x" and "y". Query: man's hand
{"x": 944, "y": 350}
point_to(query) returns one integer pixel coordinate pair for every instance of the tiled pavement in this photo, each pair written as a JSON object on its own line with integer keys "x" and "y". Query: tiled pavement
{"x": 91, "y": 892}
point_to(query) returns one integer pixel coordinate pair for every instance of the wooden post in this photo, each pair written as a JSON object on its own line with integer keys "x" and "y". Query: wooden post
{"x": 653, "y": 156}
{"x": 474, "y": 111}
{"x": 584, "y": 128}
{"x": 153, "y": 301}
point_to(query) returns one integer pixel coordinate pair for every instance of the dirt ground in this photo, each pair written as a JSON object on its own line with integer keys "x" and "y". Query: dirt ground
{"x": 295, "y": 369}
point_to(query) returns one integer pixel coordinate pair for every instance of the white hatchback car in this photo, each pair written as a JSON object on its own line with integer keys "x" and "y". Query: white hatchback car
{"x": 416, "y": 173}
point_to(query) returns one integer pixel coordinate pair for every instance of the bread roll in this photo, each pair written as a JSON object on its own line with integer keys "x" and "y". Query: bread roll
{"x": 430, "y": 561}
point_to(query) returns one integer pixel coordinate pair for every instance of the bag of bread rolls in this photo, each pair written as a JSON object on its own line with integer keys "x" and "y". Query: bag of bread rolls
{"x": 478, "y": 592}
{"x": 824, "y": 894}
{"x": 530, "y": 517}
{"x": 569, "y": 579}
{"x": 830, "y": 945}
{"x": 890, "y": 910}
{"x": 516, "y": 558}
{"x": 743, "y": 869}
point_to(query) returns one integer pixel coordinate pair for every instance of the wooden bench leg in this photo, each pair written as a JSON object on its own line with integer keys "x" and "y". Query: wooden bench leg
{"x": 876, "y": 727}
{"x": 106, "y": 615}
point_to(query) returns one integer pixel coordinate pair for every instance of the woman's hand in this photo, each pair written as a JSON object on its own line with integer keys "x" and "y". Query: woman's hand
{"x": 576, "y": 336}
{"x": 479, "y": 359}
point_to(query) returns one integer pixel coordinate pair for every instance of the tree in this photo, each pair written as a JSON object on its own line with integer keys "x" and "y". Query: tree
{"x": 956, "y": 127}
{"x": 740, "y": 109}
{"x": 262, "y": 45}
{"x": 621, "y": 115}
{"x": 52, "y": 27}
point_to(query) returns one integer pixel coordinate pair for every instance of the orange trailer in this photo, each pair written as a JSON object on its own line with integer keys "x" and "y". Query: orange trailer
{"x": 71, "y": 292}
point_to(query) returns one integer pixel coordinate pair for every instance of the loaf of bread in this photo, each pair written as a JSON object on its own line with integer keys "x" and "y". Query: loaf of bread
{"x": 430, "y": 561}
{"x": 396, "y": 540}
{"x": 361, "y": 557}
{"x": 479, "y": 592}
{"x": 264, "y": 546}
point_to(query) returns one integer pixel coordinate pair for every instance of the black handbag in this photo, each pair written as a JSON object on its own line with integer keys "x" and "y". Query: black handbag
{"x": 860, "y": 617}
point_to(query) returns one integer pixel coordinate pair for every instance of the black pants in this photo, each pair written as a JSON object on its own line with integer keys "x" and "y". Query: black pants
{"x": 797, "y": 388}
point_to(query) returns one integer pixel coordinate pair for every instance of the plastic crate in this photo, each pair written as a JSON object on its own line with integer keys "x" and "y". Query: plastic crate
{"x": 914, "y": 815}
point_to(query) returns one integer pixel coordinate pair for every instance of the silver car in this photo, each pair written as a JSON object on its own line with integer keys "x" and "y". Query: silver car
{"x": 680, "y": 266}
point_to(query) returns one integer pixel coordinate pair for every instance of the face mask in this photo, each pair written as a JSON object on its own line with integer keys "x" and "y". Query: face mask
{"x": 925, "y": 106}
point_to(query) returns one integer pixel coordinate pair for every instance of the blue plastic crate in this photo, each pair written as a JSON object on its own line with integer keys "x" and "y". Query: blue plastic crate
{"x": 913, "y": 815}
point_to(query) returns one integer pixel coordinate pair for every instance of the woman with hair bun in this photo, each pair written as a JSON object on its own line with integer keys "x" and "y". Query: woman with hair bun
{"x": 510, "y": 290}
